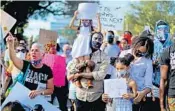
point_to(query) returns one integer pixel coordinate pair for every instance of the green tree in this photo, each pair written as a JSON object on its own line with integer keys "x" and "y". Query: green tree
{"x": 148, "y": 13}
{"x": 23, "y": 10}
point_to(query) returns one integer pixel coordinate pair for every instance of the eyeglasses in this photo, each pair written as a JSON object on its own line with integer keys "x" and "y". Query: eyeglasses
{"x": 22, "y": 44}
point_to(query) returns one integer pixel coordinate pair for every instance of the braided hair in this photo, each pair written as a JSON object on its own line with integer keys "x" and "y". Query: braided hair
{"x": 143, "y": 41}
{"x": 126, "y": 60}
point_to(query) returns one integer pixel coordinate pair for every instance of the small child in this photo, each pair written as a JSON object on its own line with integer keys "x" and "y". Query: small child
{"x": 84, "y": 67}
{"x": 124, "y": 103}
{"x": 81, "y": 49}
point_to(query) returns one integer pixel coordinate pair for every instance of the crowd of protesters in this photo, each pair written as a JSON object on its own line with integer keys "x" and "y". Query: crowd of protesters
{"x": 145, "y": 61}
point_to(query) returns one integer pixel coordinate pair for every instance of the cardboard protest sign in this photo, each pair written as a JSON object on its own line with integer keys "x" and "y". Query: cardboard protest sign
{"x": 48, "y": 38}
{"x": 20, "y": 94}
{"x": 6, "y": 22}
{"x": 58, "y": 65}
{"x": 112, "y": 18}
{"x": 115, "y": 87}
{"x": 87, "y": 10}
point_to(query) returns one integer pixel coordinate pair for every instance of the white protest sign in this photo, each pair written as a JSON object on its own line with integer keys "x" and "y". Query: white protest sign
{"x": 115, "y": 88}
{"x": 42, "y": 86}
{"x": 112, "y": 18}
{"x": 87, "y": 10}
{"x": 21, "y": 94}
{"x": 6, "y": 21}
{"x": 147, "y": 28}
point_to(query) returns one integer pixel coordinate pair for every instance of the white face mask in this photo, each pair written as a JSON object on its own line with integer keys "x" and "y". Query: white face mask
{"x": 121, "y": 73}
{"x": 21, "y": 55}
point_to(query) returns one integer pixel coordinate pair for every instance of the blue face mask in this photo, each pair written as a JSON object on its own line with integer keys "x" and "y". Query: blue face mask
{"x": 86, "y": 23}
{"x": 162, "y": 32}
{"x": 121, "y": 73}
{"x": 36, "y": 62}
{"x": 68, "y": 52}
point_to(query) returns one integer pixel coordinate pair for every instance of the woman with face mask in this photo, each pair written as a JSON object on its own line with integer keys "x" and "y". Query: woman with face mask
{"x": 122, "y": 71}
{"x": 20, "y": 53}
{"x": 37, "y": 76}
{"x": 142, "y": 69}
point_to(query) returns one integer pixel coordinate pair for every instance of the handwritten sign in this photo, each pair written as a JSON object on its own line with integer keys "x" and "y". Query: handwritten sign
{"x": 115, "y": 88}
{"x": 22, "y": 96}
{"x": 6, "y": 21}
{"x": 111, "y": 17}
{"x": 87, "y": 10}
{"x": 58, "y": 65}
{"x": 48, "y": 38}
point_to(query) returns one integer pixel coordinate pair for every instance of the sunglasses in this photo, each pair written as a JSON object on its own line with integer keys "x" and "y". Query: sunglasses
{"x": 20, "y": 50}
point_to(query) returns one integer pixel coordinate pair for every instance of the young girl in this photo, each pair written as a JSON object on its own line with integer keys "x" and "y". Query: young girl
{"x": 81, "y": 48}
{"x": 122, "y": 71}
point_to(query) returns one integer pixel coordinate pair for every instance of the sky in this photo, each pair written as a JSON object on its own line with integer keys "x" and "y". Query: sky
{"x": 35, "y": 25}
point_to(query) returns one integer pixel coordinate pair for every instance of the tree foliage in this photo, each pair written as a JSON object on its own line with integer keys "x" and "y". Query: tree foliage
{"x": 148, "y": 13}
{"x": 22, "y": 10}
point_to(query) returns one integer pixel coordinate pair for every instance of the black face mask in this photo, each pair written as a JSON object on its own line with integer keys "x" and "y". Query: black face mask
{"x": 140, "y": 54}
{"x": 110, "y": 40}
{"x": 96, "y": 45}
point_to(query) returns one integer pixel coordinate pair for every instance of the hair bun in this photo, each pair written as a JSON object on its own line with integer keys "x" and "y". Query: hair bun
{"x": 129, "y": 57}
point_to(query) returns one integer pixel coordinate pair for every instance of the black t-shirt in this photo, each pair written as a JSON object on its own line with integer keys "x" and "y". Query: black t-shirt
{"x": 36, "y": 76}
{"x": 168, "y": 58}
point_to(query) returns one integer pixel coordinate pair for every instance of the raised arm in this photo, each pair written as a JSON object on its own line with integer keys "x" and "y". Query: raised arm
{"x": 71, "y": 25}
{"x": 99, "y": 24}
{"x": 16, "y": 61}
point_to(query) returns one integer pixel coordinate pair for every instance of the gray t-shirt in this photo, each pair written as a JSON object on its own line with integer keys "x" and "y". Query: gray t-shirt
{"x": 168, "y": 58}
